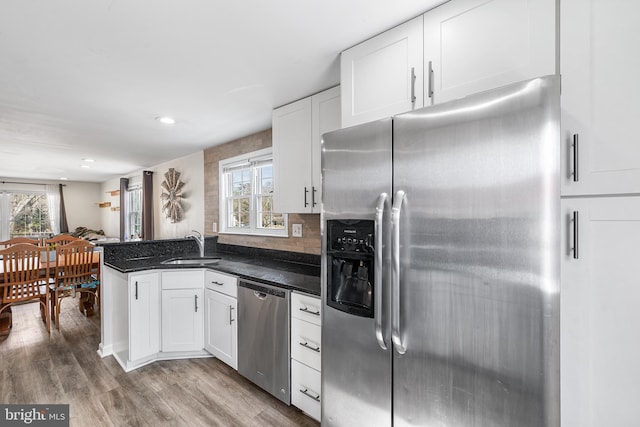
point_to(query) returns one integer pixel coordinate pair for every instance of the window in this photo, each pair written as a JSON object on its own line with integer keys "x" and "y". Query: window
{"x": 24, "y": 214}
{"x": 246, "y": 196}
{"x": 133, "y": 214}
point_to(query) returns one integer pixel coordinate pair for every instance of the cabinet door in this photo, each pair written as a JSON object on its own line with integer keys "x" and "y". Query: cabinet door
{"x": 144, "y": 315}
{"x": 182, "y": 320}
{"x": 292, "y": 157}
{"x": 325, "y": 109}
{"x": 600, "y": 86}
{"x": 600, "y": 348}
{"x": 221, "y": 327}
{"x": 475, "y": 45}
{"x": 383, "y": 76}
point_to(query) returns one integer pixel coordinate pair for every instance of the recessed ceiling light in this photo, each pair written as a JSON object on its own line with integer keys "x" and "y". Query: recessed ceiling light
{"x": 166, "y": 120}
{"x": 88, "y": 160}
{"x": 85, "y": 166}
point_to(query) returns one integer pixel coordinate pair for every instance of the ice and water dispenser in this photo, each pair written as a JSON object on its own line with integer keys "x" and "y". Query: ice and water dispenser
{"x": 350, "y": 263}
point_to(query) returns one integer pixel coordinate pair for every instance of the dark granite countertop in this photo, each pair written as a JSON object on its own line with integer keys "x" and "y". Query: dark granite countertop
{"x": 291, "y": 275}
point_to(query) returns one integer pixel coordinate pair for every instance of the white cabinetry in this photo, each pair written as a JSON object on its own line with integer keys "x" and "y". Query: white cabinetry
{"x": 306, "y": 353}
{"x": 475, "y": 45}
{"x": 182, "y": 311}
{"x": 383, "y": 76}
{"x": 599, "y": 87}
{"x": 297, "y": 129}
{"x": 221, "y": 326}
{"x": 144, "y": 316}
{"x": 600, "y": 348}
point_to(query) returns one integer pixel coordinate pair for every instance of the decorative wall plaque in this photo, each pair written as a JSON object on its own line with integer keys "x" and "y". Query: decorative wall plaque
{"x": 172, "y": 195}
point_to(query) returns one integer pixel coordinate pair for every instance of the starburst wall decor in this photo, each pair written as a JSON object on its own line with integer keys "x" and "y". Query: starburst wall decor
{"x": 172, "y": 195}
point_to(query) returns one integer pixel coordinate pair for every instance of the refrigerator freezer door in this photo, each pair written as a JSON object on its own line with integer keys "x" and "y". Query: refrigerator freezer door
{"x": 479, "y": 260}
{"x": 356, "y": 370}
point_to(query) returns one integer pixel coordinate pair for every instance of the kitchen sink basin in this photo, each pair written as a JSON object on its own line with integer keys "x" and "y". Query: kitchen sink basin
{"x": 192, "y": 261}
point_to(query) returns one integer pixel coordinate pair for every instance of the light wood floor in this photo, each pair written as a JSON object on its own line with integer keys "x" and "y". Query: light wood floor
{"x": 63, "y": 367}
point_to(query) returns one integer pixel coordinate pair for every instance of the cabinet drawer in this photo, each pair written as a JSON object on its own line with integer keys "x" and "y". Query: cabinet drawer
{"x": 305, "y": 343}
{"x": 220, "y": 282}
{"x": 183, "y": 279}
{"x": 306, "y": 307}
{"x": 305, "y": 389}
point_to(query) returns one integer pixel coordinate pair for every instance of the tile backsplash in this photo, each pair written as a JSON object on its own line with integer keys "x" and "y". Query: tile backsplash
{"x": 310, "y": 240}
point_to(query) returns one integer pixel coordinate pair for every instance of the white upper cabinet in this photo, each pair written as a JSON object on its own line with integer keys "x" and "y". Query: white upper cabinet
{"x": 297, "y": 130}
{"x": 476, "y": 45}
{"x": 325, "y": 117}
{"x": 292, "y": 157}
{"x": 600, "y": 85}
{"x": 383, "y": 76}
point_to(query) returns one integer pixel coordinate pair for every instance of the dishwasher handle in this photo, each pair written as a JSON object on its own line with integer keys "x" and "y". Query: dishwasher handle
{"x": 260, "y": 295}
{"x": 262, "y": 291}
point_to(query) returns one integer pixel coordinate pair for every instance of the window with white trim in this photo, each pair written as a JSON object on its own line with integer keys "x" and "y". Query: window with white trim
{"x": 246, "y": 196}
{"x": 24, "y": 214}
{"x": 133, "y": 213}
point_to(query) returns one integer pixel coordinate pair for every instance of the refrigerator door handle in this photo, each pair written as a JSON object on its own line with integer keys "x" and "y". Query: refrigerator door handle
{"x": 395, "y": 271}
{"x": 377, "y": 275}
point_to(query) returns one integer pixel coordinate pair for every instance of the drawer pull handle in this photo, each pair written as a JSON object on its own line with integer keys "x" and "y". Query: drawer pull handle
{"x": 310, "y": 347}
{"x": 305, "y": 391}
{"x": 217, "y": 283}
{"x": 306, "y": 310}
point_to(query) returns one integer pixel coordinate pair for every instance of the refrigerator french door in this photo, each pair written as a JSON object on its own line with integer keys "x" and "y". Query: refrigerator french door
{"x": 440, "y": 266}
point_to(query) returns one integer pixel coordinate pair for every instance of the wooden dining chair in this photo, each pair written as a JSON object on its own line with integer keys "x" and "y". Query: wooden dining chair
{"x": 14, "y": 241}
{"x": 60, "y": 239}
{"x": 74, "y": 273}
{"x": 25, "y": 278}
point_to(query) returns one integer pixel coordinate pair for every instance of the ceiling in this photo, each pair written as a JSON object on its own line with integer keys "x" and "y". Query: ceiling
{"x": 86, "y": 79}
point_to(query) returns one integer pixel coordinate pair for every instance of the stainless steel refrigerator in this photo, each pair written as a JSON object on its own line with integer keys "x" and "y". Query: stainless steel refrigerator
{"x": 440, "y": 266}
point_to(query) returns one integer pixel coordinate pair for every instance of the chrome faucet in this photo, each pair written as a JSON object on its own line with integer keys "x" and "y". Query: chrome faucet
{"x": 199, "y": 238}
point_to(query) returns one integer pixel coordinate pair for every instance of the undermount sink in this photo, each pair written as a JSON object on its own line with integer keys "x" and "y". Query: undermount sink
{"x": 192, "y": 261}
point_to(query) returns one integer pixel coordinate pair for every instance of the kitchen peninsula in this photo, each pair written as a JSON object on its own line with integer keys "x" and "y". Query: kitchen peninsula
{"x": 133, "y": 274}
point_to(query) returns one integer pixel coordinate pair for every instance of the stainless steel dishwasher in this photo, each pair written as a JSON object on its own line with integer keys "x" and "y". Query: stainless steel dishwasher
{"x": 263, "y": 337}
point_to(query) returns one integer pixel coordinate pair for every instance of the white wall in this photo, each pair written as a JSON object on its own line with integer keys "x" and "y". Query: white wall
{"x": 81, "y": 203}
{"x": 192, "y": 174}
{"x": 191, "y": 168}
{"x": 110, "y": 220}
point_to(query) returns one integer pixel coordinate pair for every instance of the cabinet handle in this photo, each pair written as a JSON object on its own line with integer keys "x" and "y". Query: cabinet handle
{"x": 305, "y": 391}
{"x": 313, "y": 197}
{"x": 430, "y": 78}
{"x": 574, "y": 220}
{"x": 306, "y": 310}
{"x": 217, "y": 283}
{"x": 413, "y": 86}
{"x": 136, "y": 290}
{"x": 305, "y": 197}
{"x": 575, "y": 157}
{"x": 230, "y": 317}
{"x": 196, "y": 302}
{"x": 310, "y": 347}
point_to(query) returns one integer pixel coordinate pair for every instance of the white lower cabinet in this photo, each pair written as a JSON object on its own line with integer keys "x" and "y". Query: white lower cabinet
{"x": 305, "y": 389}
{"x": 182, "y": 311}
{"x": 182, "y": 320}
{"x": 306, "y": 354}
{"x": 144, "y": 316}
{"x": 600, "y": 295}
{"x": 221, "y": 325}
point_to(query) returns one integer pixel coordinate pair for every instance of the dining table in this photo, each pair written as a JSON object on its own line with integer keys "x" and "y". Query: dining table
{"x": 47, "y": 266}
